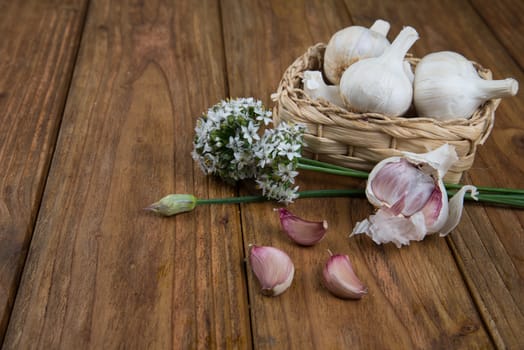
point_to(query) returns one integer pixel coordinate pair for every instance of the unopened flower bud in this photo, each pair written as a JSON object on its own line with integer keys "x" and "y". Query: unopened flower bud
{"x": 173, "y": 204}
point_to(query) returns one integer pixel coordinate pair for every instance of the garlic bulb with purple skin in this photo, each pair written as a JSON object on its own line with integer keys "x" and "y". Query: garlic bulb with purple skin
{"x": 300, "y": 231}
{"x": 411, "y": 198}
{"x": 273, "y": 269}
{"x": 340, "y": 279}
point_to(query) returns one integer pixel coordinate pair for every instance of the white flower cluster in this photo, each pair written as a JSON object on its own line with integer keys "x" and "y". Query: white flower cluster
{"x": 230, "y": 144}
{"x": 277, "y": 156}
{"x": 223, "y": 143}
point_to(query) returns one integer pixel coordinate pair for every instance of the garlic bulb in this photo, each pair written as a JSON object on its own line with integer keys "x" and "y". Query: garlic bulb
{"x": 411, "y": 198}
{"x": 380, "y": 84}
{"x": 273, "y": 269}
{"x": 340, "y": 279}
{"x": 352, "y": 44}
{"x": 315, "y": 87}
{"x": 300, "y": 231}
{"x": 447, "y": 86}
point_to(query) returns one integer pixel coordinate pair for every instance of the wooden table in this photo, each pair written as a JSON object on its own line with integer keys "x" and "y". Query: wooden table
{"x": 98, "y": 102}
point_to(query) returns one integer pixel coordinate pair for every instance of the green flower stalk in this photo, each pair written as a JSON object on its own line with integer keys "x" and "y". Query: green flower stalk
{"x": 173, "y": 204}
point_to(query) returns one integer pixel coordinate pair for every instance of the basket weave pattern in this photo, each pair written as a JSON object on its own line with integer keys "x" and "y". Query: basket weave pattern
{"x": 360, "y": 140}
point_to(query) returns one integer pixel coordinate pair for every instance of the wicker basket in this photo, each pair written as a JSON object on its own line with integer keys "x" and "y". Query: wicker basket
{"x": 360, "y": 140}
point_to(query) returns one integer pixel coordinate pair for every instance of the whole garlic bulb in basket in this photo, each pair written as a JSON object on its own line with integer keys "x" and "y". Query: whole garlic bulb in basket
{"x": 447, "y": 86}
{"x": 351, "y": 44}
{"x": 381, "y": 84}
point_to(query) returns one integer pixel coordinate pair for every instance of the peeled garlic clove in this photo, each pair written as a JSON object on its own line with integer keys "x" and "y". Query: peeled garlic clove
{"x": 340, "y": 279}
{"x": 351, "y": 44}
{"x": 303, "y": 232}
{"x": 273, "y": 269}
{"x": 316, "y": 88}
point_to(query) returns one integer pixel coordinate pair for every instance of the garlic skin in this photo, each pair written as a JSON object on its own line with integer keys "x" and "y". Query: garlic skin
{"x": 340, "y": 279}
{"x": 411, "y": 198}
{"x": 300, "y": 231}
{"x": 447, "y": 86}
{"x": 315, "y": 87}
{"x": 381, "y": 84}
{"x": 273, "y": 269}
{"x": 351, "y": 44}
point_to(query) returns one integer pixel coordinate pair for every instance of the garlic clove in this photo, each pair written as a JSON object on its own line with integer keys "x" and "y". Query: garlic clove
{"x": 352, "y": 44}
{"x": 273, "y": 269}
{"x": 340, "y": 279}
{"x": 303, "y": 232}
{"x": 436, "y": 210}
{"x": 403, "y": 183}
{"x": 316, "y": 88}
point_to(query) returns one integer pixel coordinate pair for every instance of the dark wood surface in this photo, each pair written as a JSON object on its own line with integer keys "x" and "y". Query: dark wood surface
{"x": 98, "y": 102}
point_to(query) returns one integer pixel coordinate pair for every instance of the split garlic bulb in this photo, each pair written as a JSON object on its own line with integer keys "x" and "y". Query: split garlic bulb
{"x": 411, "y": 198}
{"x": 447, "y": 86}
{"x": 381, "y": 84}
{"x": 352, "y": 44}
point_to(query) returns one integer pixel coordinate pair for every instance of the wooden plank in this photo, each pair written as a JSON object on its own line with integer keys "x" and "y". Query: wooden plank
{"x": 505, "y": 20}
{"x": 489, "y": 241}
{"x": 417, "y": 298}
{"x": 37, "y": 51}
{"x": 101, "y": 272}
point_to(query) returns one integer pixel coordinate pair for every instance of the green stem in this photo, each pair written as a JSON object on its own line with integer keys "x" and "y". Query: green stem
{"x": 301, "y": 194}
{"x": 315, "y": 165}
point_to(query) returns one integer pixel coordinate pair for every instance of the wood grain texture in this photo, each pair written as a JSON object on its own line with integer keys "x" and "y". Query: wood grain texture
{"x": 37, "y": 52}
{"x": 101, "y": 272}
{"x": 414, "y": 286}
{"x": 488, "y": 243}
{"x": 504, "y": 18}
